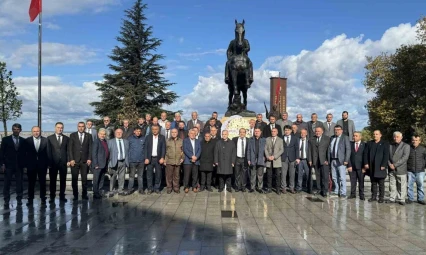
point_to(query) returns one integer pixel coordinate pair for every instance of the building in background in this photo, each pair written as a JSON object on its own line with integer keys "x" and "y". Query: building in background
{"x": 278, "y": 94}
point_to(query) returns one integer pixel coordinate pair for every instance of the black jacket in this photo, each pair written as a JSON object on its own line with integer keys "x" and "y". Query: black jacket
{"x": 11, "y": 157}
{"x": 319, "y": 151}
{"x": 291, "y": 150}
{"x": 267, "y": 132}
{"x": 417, "y": 159}
{"x": 376, "y": 155}
{"x": 207, "y": 155}
{"x": 58, "y": 155}
{"x": 237, "y": 140}
{"x": 161, "y": 147}
{"x": 37, "y": 160}
{"x": 357, "y": 157}
{"x": 80, "y": 152}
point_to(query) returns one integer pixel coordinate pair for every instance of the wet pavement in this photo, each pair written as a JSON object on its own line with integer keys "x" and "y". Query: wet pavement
{"x": 195, "y": 224}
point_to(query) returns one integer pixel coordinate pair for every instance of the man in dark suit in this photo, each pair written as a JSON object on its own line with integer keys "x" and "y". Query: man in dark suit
{"x": 319, "y": 159}
{"x": 356, "y": 167}
{"x": 91, "y": 130}
{"x": 58, "y": 162}
{"x": 259, "y": 122}
{"x": 376, "y": 156}
{"x": 100, "y": 158}
{"x": 267, "y": 130}
{"x": 80, "y": 157}
{"x": 340, "y": 154}
{"x": 37, "y": 163}
{"x": 155, "y": 152}
{"x": 127, "y": 130}
{"x": 288, "y": 158}
{"x": 192, "y": 151}
{"x": 194, "y": 121}
{"x": 302, "y": 163}
{"x": 241, "y": 162}
{"x": 313, "y": 124}
{"x": 13, "y": 159}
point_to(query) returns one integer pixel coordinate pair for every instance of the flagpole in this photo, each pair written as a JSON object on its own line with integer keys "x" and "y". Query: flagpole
{"x": 39, "y": 69}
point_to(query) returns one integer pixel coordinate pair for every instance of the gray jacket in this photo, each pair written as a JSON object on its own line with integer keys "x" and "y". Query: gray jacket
{"x": 351, "y": 128}
{"x": 329, "y": 131}
{"x": 399, "y": 158}
{"x": 343, "y": 149}
{"x": 274, "y": 150}
{"x": 113, "y": 152}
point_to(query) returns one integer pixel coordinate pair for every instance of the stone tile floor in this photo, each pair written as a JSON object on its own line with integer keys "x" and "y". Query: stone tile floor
{"x": 192, "y": 224}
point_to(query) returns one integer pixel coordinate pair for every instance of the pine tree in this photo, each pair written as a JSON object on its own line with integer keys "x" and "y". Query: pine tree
{"x": 137, "y": 85}
{"x": 10, "y": 104}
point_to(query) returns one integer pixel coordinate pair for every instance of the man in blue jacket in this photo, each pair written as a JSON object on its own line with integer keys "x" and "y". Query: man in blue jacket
{"x": 192, "y": 151}
{"x": 136, "y": 160}
{"x": 256, "y": 160}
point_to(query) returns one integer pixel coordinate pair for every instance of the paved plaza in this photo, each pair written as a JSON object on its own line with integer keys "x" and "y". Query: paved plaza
{"x": 214, "y": 223}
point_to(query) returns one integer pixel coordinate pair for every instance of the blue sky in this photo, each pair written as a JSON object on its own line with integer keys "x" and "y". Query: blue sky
{"x": 316, "y": 44}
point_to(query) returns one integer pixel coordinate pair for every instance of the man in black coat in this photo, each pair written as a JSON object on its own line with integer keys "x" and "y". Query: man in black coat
{"x": 58, "y": 162}
{"x": 267, "y": 130}
{"x": 37, "y": 163}
{"x": 376, "y": 156}
{"x": 288, "y": 158}
{"x": 80, "y": 158}
{"x": 100, "y": 157}
{"x": 241, "y": 162}
{"x": 155, "y": 152}
{"x": 356, "y": 166}
{"x": 319, "y": 159}
{"x": 13, "y": 160}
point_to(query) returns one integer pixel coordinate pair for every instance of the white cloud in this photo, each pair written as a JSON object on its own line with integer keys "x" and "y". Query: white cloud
{"x": 60, "y": 101}
{"x": 14, "y": 13}
{"x": 323, "y": 80}
{"x": 203, "y": 53}
{"x": 181, "y": 39}
{"x": 53, "y": 54}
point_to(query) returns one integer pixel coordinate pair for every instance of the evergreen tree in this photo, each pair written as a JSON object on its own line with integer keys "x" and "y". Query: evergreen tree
{"x": 137, "y": 85}
{"x": 10, "y": 104}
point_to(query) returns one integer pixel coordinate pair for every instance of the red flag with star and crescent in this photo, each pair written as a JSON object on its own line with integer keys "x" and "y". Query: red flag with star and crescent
{"x": 35, "y": 9}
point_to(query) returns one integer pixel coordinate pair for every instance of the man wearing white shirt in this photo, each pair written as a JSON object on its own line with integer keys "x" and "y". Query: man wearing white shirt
{"x": 288, "y": 158}
{"x": 91, "y": 130}
{"x": 163, "y": 119}
{"x": 194, "y": 121}
{"x": 329, "y": 125}
{"x": 166, "y": 131}
{"x": 252, "y": 124}
{"x": 118, "y": 161}
{"x": 302, "y": 160}
{"x": 155, "y": 152}
{"x": 241, "y": 162}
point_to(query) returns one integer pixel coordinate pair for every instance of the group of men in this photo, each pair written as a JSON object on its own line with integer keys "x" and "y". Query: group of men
{"x": 293, "y": 155}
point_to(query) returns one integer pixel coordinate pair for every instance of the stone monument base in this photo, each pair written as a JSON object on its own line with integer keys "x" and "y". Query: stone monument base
{"x": 234, "y": 123}
{"x": 244, "y": 113}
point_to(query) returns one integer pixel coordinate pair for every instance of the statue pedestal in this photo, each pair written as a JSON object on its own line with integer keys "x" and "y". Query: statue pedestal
{"x": 234, "y": 123}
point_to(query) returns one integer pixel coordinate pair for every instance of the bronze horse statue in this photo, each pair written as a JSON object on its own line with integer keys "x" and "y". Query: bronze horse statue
{"x": 238, "y": 73}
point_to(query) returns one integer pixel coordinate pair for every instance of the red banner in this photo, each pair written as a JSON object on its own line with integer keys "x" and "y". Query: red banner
{"x": 278, "y": 90}
{"x": 35, "y": 9}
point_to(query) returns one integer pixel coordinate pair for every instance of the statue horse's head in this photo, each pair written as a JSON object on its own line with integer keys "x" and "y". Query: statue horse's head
{"x": 239, "y": 33}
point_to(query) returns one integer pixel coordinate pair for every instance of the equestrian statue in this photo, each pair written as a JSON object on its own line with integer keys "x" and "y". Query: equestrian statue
{"x": 238, "y": 73}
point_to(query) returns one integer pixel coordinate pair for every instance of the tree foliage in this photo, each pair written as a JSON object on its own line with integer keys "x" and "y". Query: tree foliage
{"x": 399, "y": 83}
{"x": 10, "y": 104}
{"x": 137, "y": 84}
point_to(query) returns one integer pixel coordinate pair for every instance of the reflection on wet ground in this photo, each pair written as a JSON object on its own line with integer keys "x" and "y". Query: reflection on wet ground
{"x": 197, "y": 224}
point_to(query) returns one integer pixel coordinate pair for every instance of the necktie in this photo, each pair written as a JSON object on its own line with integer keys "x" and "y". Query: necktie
{"x": 318, "y": 140}
{"x": 59, "y": 140}
{"x": 356, "y": 147}
{"x": 242, "y": 148}
{"x": 273, "y": 144}
{"x": 37, "y": 145}
{"x": 335, "y": 147}
{"x": 81, "y": 138}
{"x": 16, "y": 142}
{"x": 167, "y": 135}
{"x": 329, "y": 126}
{"x": 90, "y": 131}
{"x": 303, "y": 150}
{"x": 121, "y": 149}
{"x": 287, "y": 141}
{"x": 272, "y": 126}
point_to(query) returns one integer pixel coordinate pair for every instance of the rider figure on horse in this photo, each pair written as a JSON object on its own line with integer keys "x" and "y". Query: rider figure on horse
{"x": 230, "y": 53}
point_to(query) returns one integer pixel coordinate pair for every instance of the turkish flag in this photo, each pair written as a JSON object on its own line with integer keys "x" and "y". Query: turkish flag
{"x": 35, "y": 9}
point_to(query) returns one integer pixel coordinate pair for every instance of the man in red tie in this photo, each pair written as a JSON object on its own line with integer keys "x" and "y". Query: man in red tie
{"x": 356, "y": 166}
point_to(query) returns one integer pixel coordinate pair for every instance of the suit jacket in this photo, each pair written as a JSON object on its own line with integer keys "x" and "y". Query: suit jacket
{"x": 329, "y": 131}
{"x": 351, "y": 127}
{"x": 37, "y": 160}
{"x": 189, "y": 152}
{"x": 12, "y": 157}
{"x": 376, "y": 155}
{"x": 343, "y": 149}
{"x": 357, "y": 157}
{"x": 174, "y": 124}
{"x": 319, "y": 152}
{"x": 80, "y": 152}
{"x": 307, "y": 149}
{"x": 58, "y": 155}
{"x": 113, "y": 152}
{"x": 237, "y": 140}
{"x": 190, "y": 124}
{"x": 311, "y": 129}
{"x": 206, "y": 129}
{"x": 274, "y": 150}
{"x": 161, "y": 147}
{"x": 127, "y": 133}
{"x": 267, "y": 132}
{"x": 99, "y": 157}
{"x": 94, "y": 133}
{"x": 259, "y": 159}
{"x": 399, "y": 158}
{"x": 292, "y": 150}
{"x": 163, "y": 132}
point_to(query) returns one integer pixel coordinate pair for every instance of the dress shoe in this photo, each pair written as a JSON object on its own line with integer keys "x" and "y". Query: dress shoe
{"x": 292, "y": 191}
{"x": 261, "y": 191}
{"x": 268, "y": 191}
{"x": 251, "y": 190}
{"x": 362, "y": 198}
{"x": 186, "y": 190}
{"x": 237, "y": 190}
{"x": 343, "y": 196}
{"x": 157, "y": 192}
{"x": 122, "y": 193}
{"x": 169, "y": 191}
{"x": 111, "y": 194}
{"x": 422, "y": 202}
{"x": 63, "y": 200}
{"x": 389, "y": 202}
{"x": 219, "y": 190}
{"x": 381, "y": 200}
{"x": 352, "y": 197}
{"x": 229, "y": 190}
{"x": 30, "y": 202}
{"x": 401, "y": 203}
{"x": 177, "y": 191}
{"x": 195, "y": 190}
{"x": 85, "y": 197}
{"x": 243, "y": 190}
{"x": 141, "y": 192}
{"x": 372, "y": 200}
{"x": 284, "y": 191}
{"x": 209, "y": 189}
{"x": 202, "y": 189}
{"x": 150, "y": 192}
